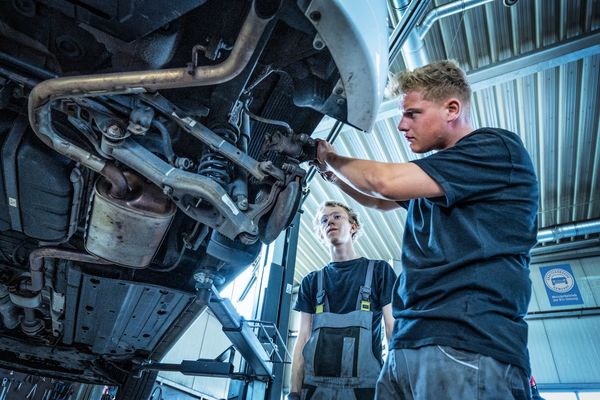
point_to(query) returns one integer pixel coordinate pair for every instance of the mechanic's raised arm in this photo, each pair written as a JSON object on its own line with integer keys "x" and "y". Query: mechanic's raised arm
{"x": 378, "y": 180}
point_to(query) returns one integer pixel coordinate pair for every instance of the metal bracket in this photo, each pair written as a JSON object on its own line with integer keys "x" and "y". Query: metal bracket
{"x": 220, "y": 367}
{"x": 260, "y": 170}
{"x": 274, "y": 343}
{"x": 241, "y": 335}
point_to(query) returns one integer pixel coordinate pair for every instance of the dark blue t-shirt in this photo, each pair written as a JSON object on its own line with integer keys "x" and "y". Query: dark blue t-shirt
{"x": 465, "y": 256}
{"x": 342, "y": 281}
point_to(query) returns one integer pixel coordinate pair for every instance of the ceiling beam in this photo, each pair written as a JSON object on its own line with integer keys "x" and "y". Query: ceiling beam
{"x": 517, "y": 67}
{"x": 535, "y": 61}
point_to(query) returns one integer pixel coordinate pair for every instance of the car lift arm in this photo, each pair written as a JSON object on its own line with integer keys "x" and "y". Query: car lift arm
{"x": 241, "y": 336}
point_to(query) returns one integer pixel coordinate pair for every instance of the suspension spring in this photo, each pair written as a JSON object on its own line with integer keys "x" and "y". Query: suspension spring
{"x": 212, "y": 164}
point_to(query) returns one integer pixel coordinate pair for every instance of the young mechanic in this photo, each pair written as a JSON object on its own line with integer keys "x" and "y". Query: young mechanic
{"x": 471, "y": 222}
{"x": 338, "y": 351}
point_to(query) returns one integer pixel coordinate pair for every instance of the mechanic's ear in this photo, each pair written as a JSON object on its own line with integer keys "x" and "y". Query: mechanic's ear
{"x": 454, "y": 108}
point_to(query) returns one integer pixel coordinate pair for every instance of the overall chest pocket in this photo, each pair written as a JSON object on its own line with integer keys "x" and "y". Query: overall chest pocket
{"x": 336, "y": 352}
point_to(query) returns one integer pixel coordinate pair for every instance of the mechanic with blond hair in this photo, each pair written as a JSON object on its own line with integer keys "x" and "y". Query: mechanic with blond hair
{"x": 338, "y": 351}
{"x": 471, "y": 221}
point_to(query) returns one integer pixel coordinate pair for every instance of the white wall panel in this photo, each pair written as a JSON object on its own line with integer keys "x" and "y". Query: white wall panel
{"x": 575, "y": 348}
{"x": 566, "y": 350}
{"x": 591, "y": 268}
{"x": 204, "y": 339}
{"x": 543, "y": 366}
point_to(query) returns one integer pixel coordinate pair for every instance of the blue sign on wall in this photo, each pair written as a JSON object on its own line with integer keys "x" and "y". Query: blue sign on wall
{"x": 561, "y": 286}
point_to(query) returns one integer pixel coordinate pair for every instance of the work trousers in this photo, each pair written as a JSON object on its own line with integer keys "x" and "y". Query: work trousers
{"x": 443, "y": 372}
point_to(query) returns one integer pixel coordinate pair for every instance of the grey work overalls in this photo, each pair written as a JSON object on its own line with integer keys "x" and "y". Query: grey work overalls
{"x": 338, "y": 357}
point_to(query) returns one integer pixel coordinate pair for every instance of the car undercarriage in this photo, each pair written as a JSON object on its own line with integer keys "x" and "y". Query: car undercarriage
{"x": 147, "y": 155}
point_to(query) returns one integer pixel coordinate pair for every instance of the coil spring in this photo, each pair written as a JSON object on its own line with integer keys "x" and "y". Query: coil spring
{"x": 215, "y": 166}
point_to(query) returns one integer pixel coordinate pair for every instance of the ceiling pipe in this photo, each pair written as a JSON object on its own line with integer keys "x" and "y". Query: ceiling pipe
{"x": 446, "y": 10}
{"x": 408, "y": 18}
{"x": 564, "y": 247}
{"x": 395, "y": 10}
{"x": 413, "y": 52}
{"x": 413, "y": 49}
{"x": 568, "y": 230}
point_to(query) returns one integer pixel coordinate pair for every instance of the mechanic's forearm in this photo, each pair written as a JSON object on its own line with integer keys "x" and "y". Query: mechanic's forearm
{"x": 388, "y": 321}
{"x": 361, "y": 175}
{"x": 297, "y": 369}
{"x": 363, "y": 199}
{"x": 389, "y": 330}
{"x": 383, "y": 180}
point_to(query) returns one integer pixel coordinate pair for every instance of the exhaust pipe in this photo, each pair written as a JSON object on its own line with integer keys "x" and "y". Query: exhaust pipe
{"x": 44, "y": 94}
{"x": 26, "y": 293}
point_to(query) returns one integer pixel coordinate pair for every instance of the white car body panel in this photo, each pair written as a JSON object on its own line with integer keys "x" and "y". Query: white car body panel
{"x": 355, "y": 33}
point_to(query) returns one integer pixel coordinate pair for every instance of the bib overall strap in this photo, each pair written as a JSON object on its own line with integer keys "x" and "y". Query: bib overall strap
{"x": 322, "y": 302}
{"x": 363, "y": 302}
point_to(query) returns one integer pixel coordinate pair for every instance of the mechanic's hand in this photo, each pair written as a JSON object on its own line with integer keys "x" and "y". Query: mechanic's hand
{"x": 293, "y": 396}
{"x": 323, "y": 149}
{"x": 318, "y": 166}
{"x": 328, "y": 176}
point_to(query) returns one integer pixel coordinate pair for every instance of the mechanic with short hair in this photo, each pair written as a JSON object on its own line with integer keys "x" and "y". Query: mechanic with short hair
{"x": 338, "y": 351}
{"x": 471, "y": 222}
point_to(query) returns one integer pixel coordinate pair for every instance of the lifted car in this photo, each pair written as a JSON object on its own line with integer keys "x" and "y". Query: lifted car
{"x": 148, "y": 150}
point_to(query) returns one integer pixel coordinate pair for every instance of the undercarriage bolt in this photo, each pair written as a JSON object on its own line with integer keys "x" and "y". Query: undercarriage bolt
{"x": 114, "y": 132}
{"x": 203, "y": 279}
{"x": 242, "y": 203}
{"x": 266, "y": 165}
{"x": 183, "y": 163}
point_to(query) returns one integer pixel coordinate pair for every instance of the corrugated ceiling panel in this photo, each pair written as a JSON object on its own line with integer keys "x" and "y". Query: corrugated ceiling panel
{"x": 587, "y": 187}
